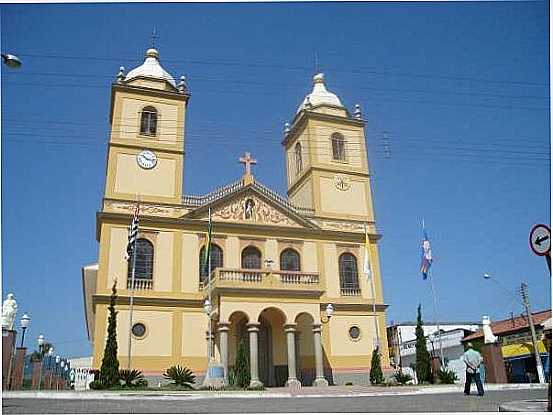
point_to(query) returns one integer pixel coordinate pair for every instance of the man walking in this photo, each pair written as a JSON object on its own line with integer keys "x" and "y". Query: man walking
{"x": 473, "y": 360}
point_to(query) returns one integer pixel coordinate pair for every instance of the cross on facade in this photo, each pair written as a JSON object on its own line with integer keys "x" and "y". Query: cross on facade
{"x": 247, "y": 160}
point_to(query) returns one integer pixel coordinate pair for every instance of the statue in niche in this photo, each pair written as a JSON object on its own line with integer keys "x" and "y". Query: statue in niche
{"x": 248, "y": 211}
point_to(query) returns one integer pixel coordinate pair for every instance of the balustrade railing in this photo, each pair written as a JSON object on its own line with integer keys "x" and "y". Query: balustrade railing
{"x": 140, "y": 284}
{"x": 350, "y": 292}
{"x": 259, "y": 278}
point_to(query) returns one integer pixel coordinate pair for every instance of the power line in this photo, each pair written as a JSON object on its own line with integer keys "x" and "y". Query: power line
{"x": 302, "y": 68}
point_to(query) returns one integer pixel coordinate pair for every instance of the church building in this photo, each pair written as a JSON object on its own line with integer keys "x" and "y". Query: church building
{"x": 290, "y": 277}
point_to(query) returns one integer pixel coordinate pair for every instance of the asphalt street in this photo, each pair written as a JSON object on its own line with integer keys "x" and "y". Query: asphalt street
{"x": 444, "y": 402}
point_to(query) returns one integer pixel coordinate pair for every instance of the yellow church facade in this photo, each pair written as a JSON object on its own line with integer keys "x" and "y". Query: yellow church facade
{"x": 288, "y": 274}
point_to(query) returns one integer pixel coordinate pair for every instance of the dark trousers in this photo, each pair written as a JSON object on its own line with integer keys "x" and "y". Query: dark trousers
{"x": 468, "y": 382}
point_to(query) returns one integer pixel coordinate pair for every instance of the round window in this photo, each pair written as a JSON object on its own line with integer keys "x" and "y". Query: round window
{"x": 354, "y": 332}
{"x": 138, "y": 330}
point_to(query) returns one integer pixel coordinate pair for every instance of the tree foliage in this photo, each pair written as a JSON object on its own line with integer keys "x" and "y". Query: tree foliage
{"x": 376, "y": 375}
{"x": 109, "y": 371}
{"x": 423, "y": 369}
{"x": 242, "y": 366}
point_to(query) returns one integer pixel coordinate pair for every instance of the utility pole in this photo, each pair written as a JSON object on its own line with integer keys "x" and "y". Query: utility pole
{"x": 539, "y": 367}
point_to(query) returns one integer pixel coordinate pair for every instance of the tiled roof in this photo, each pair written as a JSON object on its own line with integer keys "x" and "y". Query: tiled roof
{"x": 509, "y": 325}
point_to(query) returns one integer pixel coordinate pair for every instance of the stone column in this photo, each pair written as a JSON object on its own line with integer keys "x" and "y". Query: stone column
{"x": 319, "y": 371}
{"x": 253, "y": 329}
{"x": 18, "y": 367}
{"x": 8, "y": 346}
{"x": 290, "y": 330}
{"x": 224, "y": 327}
{"x": 35, "y": 376}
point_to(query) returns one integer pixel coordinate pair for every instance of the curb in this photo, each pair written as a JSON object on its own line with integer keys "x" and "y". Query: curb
{"x": 155, "y": 395}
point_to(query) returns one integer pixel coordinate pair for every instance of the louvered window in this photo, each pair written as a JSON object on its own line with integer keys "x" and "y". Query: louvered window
{"x": 148, "y": 121}
{"x": 144, "y": 260}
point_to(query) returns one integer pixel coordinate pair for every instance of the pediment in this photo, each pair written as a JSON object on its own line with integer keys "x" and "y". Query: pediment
{"x": 249, "y": 206}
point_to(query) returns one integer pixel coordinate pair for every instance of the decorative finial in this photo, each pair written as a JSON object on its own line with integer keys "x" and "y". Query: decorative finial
{"x": 121, "y": 74}
{"x": 357, "y": 112}
{"x": 286, "y": 128}
{"x": 317, "y": 69}
{"x": 182, "y": 85}
{"x": 154, "y": 37}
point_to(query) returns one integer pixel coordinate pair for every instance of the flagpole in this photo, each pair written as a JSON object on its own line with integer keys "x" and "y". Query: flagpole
{"x": 131, "y": 301}
{"x": 436, "y": 316}
{"x": 371, "y": 276}
{"x": 210, "y": 349}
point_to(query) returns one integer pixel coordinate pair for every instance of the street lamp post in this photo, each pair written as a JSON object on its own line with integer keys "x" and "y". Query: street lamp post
{"x": 25, "y": 320}
{"x": 208, "y": 309}
{"x": 40, "y": 342}
{"x": 58, "y": 359}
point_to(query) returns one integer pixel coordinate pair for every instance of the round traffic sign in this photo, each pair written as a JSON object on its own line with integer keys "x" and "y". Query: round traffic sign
{"x": 540, "y": 239}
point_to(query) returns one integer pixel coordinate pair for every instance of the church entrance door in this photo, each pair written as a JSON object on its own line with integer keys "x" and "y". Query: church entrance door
{"x": 266, "y": 367}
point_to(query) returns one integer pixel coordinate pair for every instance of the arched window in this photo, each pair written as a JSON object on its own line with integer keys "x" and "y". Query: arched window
{"x": 348, "y": 271}
{"x": 299, "y": 162}
{"x": 216, "y": 255}
{"x": 148, "y": 121}
{"x": 251, "y": 258}
{"x": 338, "y": 147}
{"x": 144, "y": 260}
{"x": 289, "y": 260}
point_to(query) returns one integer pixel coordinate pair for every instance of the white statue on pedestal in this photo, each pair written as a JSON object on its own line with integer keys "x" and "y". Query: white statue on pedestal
{"x": 489, "y": 337}
{"x": 9, "y": 309}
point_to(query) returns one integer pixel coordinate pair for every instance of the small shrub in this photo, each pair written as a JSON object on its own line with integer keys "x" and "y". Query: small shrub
{"x": 447, "y": 377}
{"x": 231, "y": 377}
{"x": 376, "y": 376}
{"x": 402, "y": 378}
{"x": 132, "y": 378}
{"x": 181, "y": 376}
{"x": 96, "y": 385}
{"x": 242, "y": 366}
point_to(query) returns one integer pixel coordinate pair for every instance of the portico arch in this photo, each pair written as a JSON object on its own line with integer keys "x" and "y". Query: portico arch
{"x": 305, "y": 352}
{"x": 272, "y": 347}
{"x": 237, "y": 332}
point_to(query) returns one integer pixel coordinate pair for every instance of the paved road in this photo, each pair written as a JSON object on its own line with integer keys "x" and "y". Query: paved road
{"x": 444, "y": 402}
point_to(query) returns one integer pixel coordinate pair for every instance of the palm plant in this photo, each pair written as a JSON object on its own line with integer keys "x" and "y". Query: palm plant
{"x": 447, "y": 377}
{"x": 402, "y": 378}
{"x": 132, "y": 378}
{"x": 181, "y": 376}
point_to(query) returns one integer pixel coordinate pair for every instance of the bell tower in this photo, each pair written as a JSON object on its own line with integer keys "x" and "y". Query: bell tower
{"x": 326, "y": 158}
{"x": 146, "y": 144}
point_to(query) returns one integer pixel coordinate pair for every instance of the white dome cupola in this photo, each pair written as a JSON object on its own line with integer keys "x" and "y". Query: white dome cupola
{"x": 320, "y": 95}
{"x": 151, "y": 68}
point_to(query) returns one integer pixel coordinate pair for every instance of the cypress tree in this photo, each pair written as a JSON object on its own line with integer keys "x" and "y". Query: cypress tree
{"x": 109, "y": 372}
{"x": 422, "y": 355}
{"x": 242, "y": 366}
{"x": 376, "y": 375}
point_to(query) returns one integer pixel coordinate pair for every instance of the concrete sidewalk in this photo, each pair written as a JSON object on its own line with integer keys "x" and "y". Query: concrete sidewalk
{"x": 311, "y": 392}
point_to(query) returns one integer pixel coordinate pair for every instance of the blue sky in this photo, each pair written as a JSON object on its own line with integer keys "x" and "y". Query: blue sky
{"x": 460, "y": 90}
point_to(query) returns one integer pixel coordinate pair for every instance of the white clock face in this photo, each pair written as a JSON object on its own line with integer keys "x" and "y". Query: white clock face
{"x": 146, "y": 159}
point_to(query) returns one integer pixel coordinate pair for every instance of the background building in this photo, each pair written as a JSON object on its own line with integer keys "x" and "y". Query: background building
{"x": 402, "y": 339}
{"x": 516, "y": 345}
